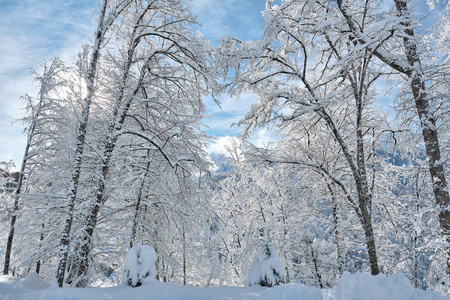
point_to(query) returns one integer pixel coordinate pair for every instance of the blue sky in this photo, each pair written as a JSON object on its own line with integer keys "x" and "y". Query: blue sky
{"x": 34, "y": 30}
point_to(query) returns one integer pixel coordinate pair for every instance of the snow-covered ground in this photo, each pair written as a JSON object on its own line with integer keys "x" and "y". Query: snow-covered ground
{"x": 350, "y": 287}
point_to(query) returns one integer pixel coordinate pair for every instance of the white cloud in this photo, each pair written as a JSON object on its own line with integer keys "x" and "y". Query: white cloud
{"x": 223, "y": 144}
{"x": 263, "y": 138}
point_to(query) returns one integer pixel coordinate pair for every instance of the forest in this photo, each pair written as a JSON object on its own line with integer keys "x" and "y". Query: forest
{"x": 355, "y": 95}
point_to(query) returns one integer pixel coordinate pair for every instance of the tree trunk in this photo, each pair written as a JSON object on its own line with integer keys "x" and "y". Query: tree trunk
{"x": 17, "y": 194}
{"x": 370, "y": 240}
{"x": 316, "y": 267}
{"x": 184, "y": 257}
{"x": 363, "y": 193}
{"x": 81, "y": 135}
{"x": 428, "y": 125}
{"x": 136, "y": 216}
{"x": 339, "y": 247}
{"x": 116, "y": 124}
{"x": 41, "y": 238}
{"x": 86, "y": 243}
{"x": 365, "y": 201}
{"x": 10, "y": 237}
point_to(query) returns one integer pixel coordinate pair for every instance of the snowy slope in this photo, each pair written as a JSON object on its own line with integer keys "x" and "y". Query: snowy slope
{"x": 350, "y": 287}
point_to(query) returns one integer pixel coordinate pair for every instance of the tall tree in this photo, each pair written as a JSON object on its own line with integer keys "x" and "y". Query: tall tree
{"x": 37, "y": 135}
{"x": 407, "y": 60}
{"x": 103, "y": 25}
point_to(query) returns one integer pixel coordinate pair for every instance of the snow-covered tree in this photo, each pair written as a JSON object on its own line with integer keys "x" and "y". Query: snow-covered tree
{"x": 104, "y": 23}
{"x": 314, "y": 73}
{"x": 119, "y": 153}
{"x": 43, "y": 116}
{"x": 267, "y": 269}
{"x": 282, "y": 70}
{"x": 139, "y": 266}
{"x": 156, "y": 103}
{"x": 393, "y": 40}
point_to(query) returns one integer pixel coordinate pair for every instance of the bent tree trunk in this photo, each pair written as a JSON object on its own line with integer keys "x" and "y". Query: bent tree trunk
{"x": 14, "y": 216}
{"x": 88, "y": 232}
{"x": 81, "y": 135}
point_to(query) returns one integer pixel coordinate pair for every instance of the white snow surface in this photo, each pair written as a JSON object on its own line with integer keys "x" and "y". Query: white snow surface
{"x": 139, "y": 265}
{"x": 350, "y": 287}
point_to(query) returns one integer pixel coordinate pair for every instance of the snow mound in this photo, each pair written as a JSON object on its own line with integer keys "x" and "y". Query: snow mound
{"x": 368, "y": 287}
{"x": 267, "y": 268}
{"x": 139, "y": 266}
{"x": 34, "y": 282}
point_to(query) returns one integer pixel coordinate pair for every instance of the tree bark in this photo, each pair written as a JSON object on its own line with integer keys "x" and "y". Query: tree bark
{"x": 81, "y": 135}
{"x": 11, "y": 236}
{"x": 184, "y": 257}
{"x": 14, "y": 215}
{"x": 339, "y": 247}
{"x": 138, "y": 203}
{"x": 316, "y": 267}
{"x": 365, "y": 201}
{"x": 41, "y": 238}
{"x": 362, "y": 190}
{"x": 86, "y": 243}
{"x": 428, "y": 125}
